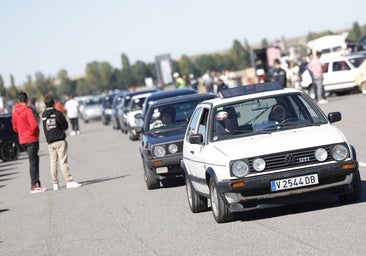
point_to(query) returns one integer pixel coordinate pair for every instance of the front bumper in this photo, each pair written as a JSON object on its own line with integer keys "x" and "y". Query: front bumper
{"x": 257, "y": 189}
{"x": 165, "y": 166}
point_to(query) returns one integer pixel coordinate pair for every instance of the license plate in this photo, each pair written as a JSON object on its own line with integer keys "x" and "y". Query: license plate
{"x": 160, "y": 170}
{"x": 294, "y": 182}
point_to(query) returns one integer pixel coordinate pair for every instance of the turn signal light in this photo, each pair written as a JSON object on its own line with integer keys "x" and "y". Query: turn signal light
{"x": 238, "y": 184}
{"x": 348, "y": 166}
{"x": 158, "y": 162}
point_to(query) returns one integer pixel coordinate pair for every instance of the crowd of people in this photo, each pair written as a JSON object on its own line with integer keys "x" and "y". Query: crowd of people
{"x": 287, "y": 74}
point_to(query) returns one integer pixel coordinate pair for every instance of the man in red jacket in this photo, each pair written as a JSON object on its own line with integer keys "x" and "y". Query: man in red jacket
{"x": 25, "y": 124}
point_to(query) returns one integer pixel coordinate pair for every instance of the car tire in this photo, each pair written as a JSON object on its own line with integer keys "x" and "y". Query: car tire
{"x": 151, "y": 181}
{"x": 196, "y": 202}
{"x": 219, "y": 209}
{"x": 363, "y": 88}
{"x": 356, "y": 193}
{"x": 9, "y": 150}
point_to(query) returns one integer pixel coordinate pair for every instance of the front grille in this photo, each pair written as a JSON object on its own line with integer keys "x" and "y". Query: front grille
{"x": 291, "y": 159}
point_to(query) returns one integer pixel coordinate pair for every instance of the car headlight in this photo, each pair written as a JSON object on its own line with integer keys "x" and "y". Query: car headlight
{"x": 321, "y": 154}
{"x": 172, "y": 148}
{"x": 339, "y": 152}
{"x": 239, "y": 168}
{"x": 259, "y": 164}
{"x": 159, "y": 151}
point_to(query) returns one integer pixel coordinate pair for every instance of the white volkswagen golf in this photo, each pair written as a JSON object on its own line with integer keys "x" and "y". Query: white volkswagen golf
{"x": 261, "y": 145}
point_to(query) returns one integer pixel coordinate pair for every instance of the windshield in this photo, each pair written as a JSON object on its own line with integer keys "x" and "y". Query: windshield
{"x": 264, "y": 115}
{"x": 170, "y": 116}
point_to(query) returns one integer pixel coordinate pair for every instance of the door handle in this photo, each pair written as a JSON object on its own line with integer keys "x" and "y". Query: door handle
{"x": 192, "y": 152}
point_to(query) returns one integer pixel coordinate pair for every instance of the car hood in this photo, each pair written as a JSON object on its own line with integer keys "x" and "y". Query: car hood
{"x": 175, "y": 134}
{"x": 280, "y": 141}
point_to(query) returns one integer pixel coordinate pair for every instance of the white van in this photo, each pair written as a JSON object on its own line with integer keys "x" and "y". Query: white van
{"x": 331, "y": 44}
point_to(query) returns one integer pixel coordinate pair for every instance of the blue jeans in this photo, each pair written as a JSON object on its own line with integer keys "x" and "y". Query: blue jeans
{"x": 32, "y": 151}
{"x": 319, "y": 93}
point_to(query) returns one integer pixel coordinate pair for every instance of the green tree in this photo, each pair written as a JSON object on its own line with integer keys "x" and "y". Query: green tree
{"x": 264, "y": 43}
{"x": 98, "y": 75}
{"x": 2, "y": 86}
{"x": 43, "y": 85}
{"x": 65, "y": 85}
{"x": 12, "y": 91}
{"x": 139, "y": 72}
{"x": 238, "y": 55}
{"x": 355, "y": 33}
{"x": 82, "y": 87}
{"x": 186, "y": 66}
{"x": 125, "y": 61}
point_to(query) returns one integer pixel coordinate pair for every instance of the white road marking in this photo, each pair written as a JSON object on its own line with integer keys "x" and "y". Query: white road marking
{"x": 362, "y": 164}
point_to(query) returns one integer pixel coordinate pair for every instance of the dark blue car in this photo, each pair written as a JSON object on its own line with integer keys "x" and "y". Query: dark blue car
{"x": 9, "y": 141}
{"x": 107, "y": 101}
{"x": 162, "y": 136}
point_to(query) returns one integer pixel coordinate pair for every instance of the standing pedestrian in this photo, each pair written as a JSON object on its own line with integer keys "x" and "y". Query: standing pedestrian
{"x": 208, "y": 81}
{"x": 25, "y": 124}
{"x": 32, "y": 105}
{"x": 193, "y": 83}
{"x": 72, "y": 112}
{"x": 317, "y": 73}
{"x": 54, "y": 127}
{"x": 279, "y": 74}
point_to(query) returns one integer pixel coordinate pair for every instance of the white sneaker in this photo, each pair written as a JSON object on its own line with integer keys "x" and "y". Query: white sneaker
{"x": 73, "y": 184}
{"x": 55, "y": 186}
{"x": 77, "y": 132}
{"x": 322, "y": 101}
{"x": 72, "y": 133}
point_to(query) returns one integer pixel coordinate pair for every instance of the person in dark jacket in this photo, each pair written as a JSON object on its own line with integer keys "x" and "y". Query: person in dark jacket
{"x": 25, "y": 124}
{"x": 54, "y": 127}
{"x": 279, "y": 74}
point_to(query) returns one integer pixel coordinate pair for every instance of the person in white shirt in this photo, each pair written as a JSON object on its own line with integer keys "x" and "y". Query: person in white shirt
{"x": 72, "y": 112}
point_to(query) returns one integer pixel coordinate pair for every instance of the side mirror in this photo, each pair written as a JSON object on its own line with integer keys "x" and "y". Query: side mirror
{"x": 195, "y": 139}
{"x": 334, "y": 117}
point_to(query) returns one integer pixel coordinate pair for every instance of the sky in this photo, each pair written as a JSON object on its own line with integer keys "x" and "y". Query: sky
{"x": 47, "y": 36}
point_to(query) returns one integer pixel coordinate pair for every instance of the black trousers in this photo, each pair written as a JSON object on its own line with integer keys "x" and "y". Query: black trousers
{"x": 74, "y": 124}
{"x": 32, "y": 151}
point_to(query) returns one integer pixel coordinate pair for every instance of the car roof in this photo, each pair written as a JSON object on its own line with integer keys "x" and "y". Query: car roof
{"x": 261, "y": 94}
{"x": 336, "y": 57}
{"x": 183, "y": 98}
{"x": 141, "y": 95}
{"x": 170, "y": 93}
{"x": 131, "y": 94}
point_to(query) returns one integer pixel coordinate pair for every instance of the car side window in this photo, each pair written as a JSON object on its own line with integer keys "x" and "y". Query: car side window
{"x": 203, "y": 124}
{"x": 192, "y": 127}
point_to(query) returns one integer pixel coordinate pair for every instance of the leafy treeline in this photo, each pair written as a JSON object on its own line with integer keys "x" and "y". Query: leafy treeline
{"x": 101, "y": 76}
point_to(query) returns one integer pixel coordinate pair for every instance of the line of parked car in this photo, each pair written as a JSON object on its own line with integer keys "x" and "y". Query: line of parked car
{"x": 252, "y": 147}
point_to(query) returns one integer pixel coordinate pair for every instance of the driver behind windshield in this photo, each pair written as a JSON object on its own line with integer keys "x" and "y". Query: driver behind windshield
{"x": 278, "y": 113}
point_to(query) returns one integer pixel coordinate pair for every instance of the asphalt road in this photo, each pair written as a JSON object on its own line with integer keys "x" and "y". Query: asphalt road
{"x": 114, "y": 214}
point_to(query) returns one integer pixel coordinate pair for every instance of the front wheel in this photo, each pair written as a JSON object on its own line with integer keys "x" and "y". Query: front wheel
{"x": 363, "y": 88}
{"x": 9, "y": 150}
{"x": 151, "y": 181}
{"x": 220, "y": 210}
{"x": 196, "y": 202}
{"x": 356, "y": 194}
